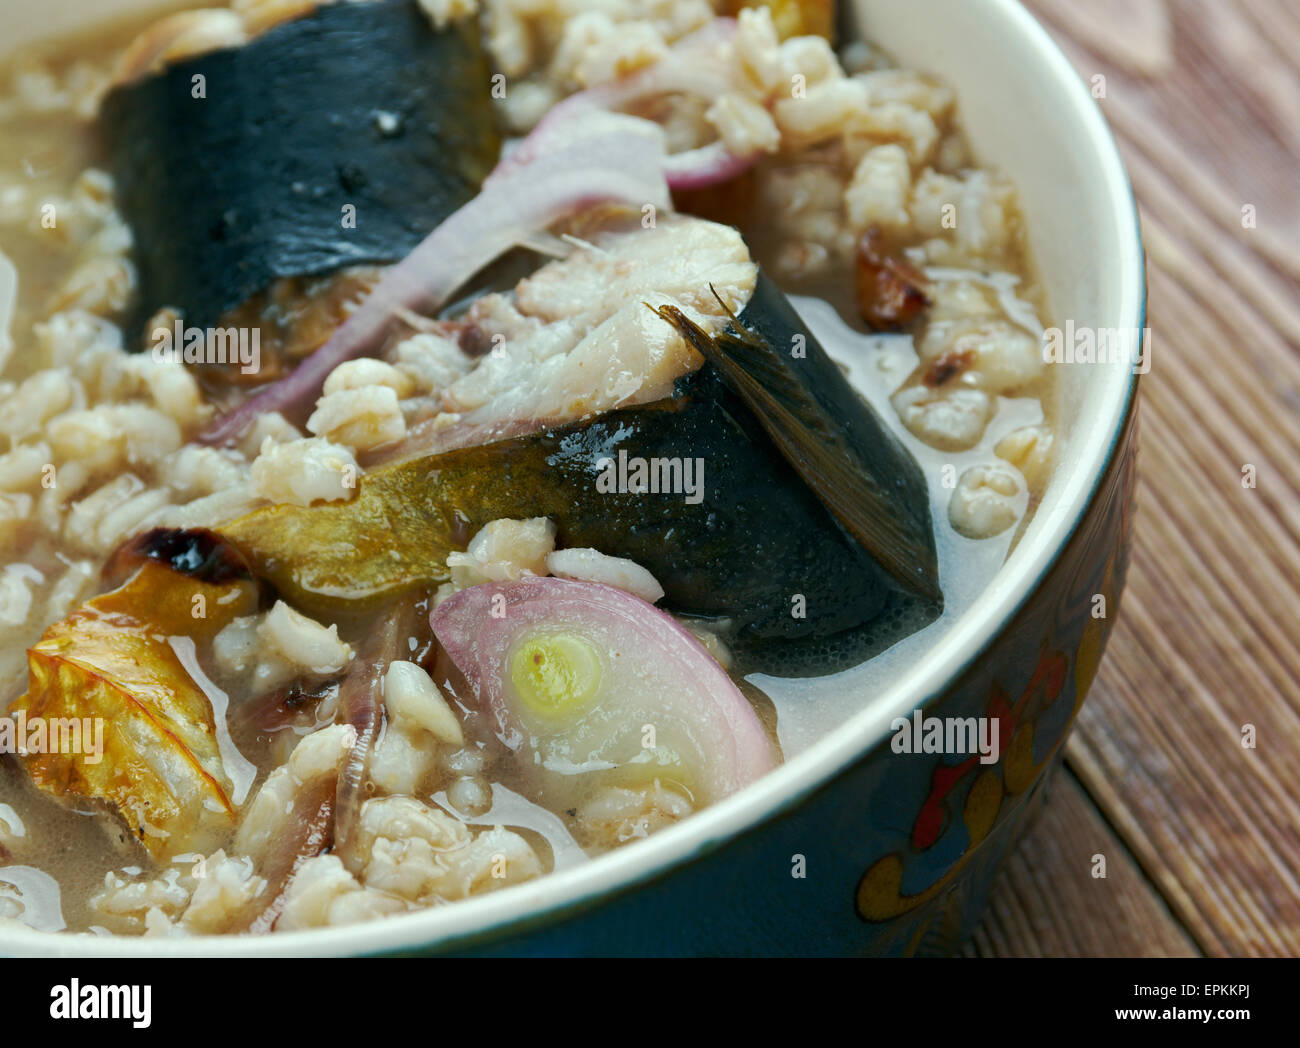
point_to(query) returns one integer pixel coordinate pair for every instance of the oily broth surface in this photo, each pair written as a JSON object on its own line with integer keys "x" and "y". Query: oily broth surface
{"x": 809, "y": 708}
{"x": 47, "y": 152}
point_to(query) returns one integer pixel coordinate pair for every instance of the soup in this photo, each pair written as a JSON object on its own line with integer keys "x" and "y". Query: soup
{"x": 444, "y": 444}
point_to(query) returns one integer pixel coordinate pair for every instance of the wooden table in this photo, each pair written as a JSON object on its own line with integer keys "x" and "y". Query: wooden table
{"x": 1201, "y": 833}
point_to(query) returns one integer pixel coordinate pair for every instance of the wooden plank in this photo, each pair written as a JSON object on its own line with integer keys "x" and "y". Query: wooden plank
{"x": 1220, "y": 113}
{"x": 1205, "y": 98}
{"x": 1047, "y": 902}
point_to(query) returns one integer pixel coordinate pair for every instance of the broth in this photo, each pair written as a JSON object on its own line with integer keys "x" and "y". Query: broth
{"x": 58, "y": 852}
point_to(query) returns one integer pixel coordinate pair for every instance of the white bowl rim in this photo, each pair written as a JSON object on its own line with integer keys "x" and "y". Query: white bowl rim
{"x": 489, "y": 918}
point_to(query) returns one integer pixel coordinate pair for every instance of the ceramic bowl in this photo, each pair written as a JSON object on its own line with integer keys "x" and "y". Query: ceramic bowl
{"x": 897, "y": 851}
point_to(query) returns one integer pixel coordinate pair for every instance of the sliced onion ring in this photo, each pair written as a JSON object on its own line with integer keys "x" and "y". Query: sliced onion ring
{"x": 573, "y": 674}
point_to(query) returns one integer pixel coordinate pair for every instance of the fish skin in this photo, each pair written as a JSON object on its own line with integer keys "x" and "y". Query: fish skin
{"x": 824, "y": 428}
{"x": 229, "y": 192}
{"x": 758, "y": 539}
{"x": 761, "y": 549}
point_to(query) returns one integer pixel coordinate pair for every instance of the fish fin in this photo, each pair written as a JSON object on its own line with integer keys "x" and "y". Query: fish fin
{"x": 812, "y": 441}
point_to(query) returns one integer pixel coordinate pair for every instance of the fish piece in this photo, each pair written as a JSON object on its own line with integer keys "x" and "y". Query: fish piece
{"x": 756, "y": 539}
{"x": 824, "y": 428}
{"x": 574, "y": 338}
{"x": 609, "y": 159}
{"x": 329, "y": 141}
{"x": 124, "y": 659}
{"x": 557, "y": 421}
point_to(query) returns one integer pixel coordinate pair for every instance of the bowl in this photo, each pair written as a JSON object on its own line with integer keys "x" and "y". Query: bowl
{"x": 849, "y": 847}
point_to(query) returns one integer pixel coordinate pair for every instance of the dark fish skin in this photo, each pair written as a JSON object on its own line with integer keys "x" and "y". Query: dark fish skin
{"x": 758, "y": 540}
{"x": 759, "y": 549}
{"x": 823, "y": 427}
{"x": 226, "y": 193}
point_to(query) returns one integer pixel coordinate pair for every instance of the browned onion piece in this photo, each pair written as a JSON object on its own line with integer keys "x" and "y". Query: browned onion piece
{"x": 282, "y": 707}
{"x": 310, "y": 832}
{"x": 361, "y": 705}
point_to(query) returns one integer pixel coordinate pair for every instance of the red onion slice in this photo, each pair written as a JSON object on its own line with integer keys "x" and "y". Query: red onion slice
{"x": 692, "y": 67}
{"x": 588, "y": 684}
{"x": 707, "y": 166}
{"x": 579, "y": 155}
{"x": 605, "y": 158}
{"x": 361, "y": 696}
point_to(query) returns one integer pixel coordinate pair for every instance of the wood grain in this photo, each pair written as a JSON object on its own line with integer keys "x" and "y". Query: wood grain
{"x": 1050, "y": 904}
{"x": 1204, "y": 96}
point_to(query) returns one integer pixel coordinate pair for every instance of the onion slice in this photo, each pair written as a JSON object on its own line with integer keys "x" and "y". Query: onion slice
{"x": 361, "y": 696}
{"x": 8, "y": 299}
{"x": 706, "y": 166}
{"x": 606, "y": 158}
{"x": 590, "y": 686}
{"x": 693, "y": 66}
{"x": 581, "y": 154}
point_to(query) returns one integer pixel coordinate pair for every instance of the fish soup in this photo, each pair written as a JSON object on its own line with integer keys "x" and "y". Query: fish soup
{"x": 477, "y": 462}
